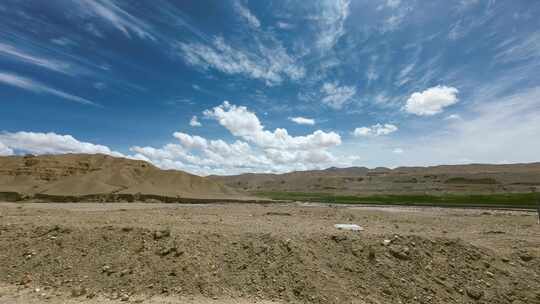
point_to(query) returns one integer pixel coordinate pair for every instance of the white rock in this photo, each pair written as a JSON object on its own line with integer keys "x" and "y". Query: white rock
{"x": 352, "y": 227}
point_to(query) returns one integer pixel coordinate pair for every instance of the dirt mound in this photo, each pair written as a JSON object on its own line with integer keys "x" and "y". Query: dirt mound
{"x": 80, "y": 175}
{"x": 339, "y": 268}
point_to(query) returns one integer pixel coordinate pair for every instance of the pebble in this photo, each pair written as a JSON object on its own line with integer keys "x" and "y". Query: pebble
{"x": 474, "y": 293}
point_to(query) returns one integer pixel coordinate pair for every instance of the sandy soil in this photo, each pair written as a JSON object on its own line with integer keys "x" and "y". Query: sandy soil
{"x": 247, "y": 253}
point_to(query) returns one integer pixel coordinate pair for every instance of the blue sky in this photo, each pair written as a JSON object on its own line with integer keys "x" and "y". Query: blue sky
{"x": 272, "y": 86}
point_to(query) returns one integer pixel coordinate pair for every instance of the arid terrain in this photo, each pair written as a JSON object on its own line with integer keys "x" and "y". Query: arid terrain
{"x": 265, "y": 253}
{"x": 97, "y": 229}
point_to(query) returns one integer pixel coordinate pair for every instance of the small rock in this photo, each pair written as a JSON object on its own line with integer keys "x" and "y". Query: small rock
{"x": 107, "y": 270}
{"x": 78, "y": 291}
{"x": 400, "y": 252}
{"x": 371, "y": 253}
{"x": 525, "y": 257}
{"x": 475, "y": 293}
{"x": 386, "y": 242}
{"x": 162, "y": 234}
{"x": 124, "y": 297}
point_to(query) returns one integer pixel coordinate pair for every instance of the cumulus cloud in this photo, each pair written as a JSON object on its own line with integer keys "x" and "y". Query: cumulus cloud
{"x": 271, "y": 65}
{"x": 5, "y": 150}
{"x": 245, "y": 124}
{"x": 375, "y": 130}
{"x": 302, "y": 120}
{"x": 431, "y": 101}
{"x": 255, "y": 149}
{"x": 194, "y": 122}
{"x": 503, "y": 129}
{"x": 50, "y": 143}
{"x": 336, "y": 96}
{"x": 28, "y": 84}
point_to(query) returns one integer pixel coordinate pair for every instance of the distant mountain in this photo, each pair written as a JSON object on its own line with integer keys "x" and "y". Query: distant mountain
{"x": 472, "y": 178}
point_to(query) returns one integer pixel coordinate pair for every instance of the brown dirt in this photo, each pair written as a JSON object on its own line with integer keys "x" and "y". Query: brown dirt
{"x": 281, "y": 253}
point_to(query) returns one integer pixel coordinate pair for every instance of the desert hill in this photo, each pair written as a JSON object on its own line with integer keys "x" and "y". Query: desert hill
{"x": 472, "y": 178}
{"x": 86, "y": 175}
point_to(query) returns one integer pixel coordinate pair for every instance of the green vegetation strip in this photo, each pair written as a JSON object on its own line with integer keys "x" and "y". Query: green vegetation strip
{"x": 509, "y": 200}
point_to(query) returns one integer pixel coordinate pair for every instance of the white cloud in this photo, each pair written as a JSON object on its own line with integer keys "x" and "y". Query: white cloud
{"x": 245, "y": 124}
{"x": 392, "y": 23}
{"x": 50, "y": 143}
{"x": 21, "y": 55}
{"x": 504, "y": 128}
{"x": 522, "y": 49}
{"x": 246, "y": 14}
{"x": 404, "y": 75}
{"x": 284, "y": 25}
{"x": 398, "y": 151}
{"x": 336, "y": 96}
{"x": 100, "y": 85}
{"x": 5, "y": 150}
{"x": 332, "y": 22}
{"x": 194, "y": 122}
{"x": 431, "y": 101}
{"x": 36, "y": 87}
{"x": 375, "y": 130}
{"x": 255, "y": 150}
{"x": 272, "y": 64}
{"x": 453, "y": 117}
{"x": 302, "y": 120}
{"x": 393, "y": 3}
{"x": 191, "y": 142}
{"x": 117, "y": 17}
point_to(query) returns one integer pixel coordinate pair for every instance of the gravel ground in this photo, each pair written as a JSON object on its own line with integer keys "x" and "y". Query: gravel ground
{"x": 249, "y": 253}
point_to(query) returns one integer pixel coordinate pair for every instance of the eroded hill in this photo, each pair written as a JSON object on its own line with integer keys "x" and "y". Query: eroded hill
{"x": 73, "y": 176}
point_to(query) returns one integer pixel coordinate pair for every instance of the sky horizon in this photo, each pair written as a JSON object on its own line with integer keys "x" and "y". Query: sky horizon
{"x": 228, "y": 87}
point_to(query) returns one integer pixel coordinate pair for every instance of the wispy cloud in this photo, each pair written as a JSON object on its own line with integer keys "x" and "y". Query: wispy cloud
{"x": 336, "y": 96}
{"x": 516, "y": 49}
{"x": 117, "y": 17}
{"x": 334, "y": 13}
{"x": 14, "y": 53}
{"x": 36, "y": 87}
{"x": 272, "y": 65}
{"x": 251, "y": 19}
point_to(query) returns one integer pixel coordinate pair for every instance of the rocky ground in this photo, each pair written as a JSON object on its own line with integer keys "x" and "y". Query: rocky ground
{"x": 249, "y": 253}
